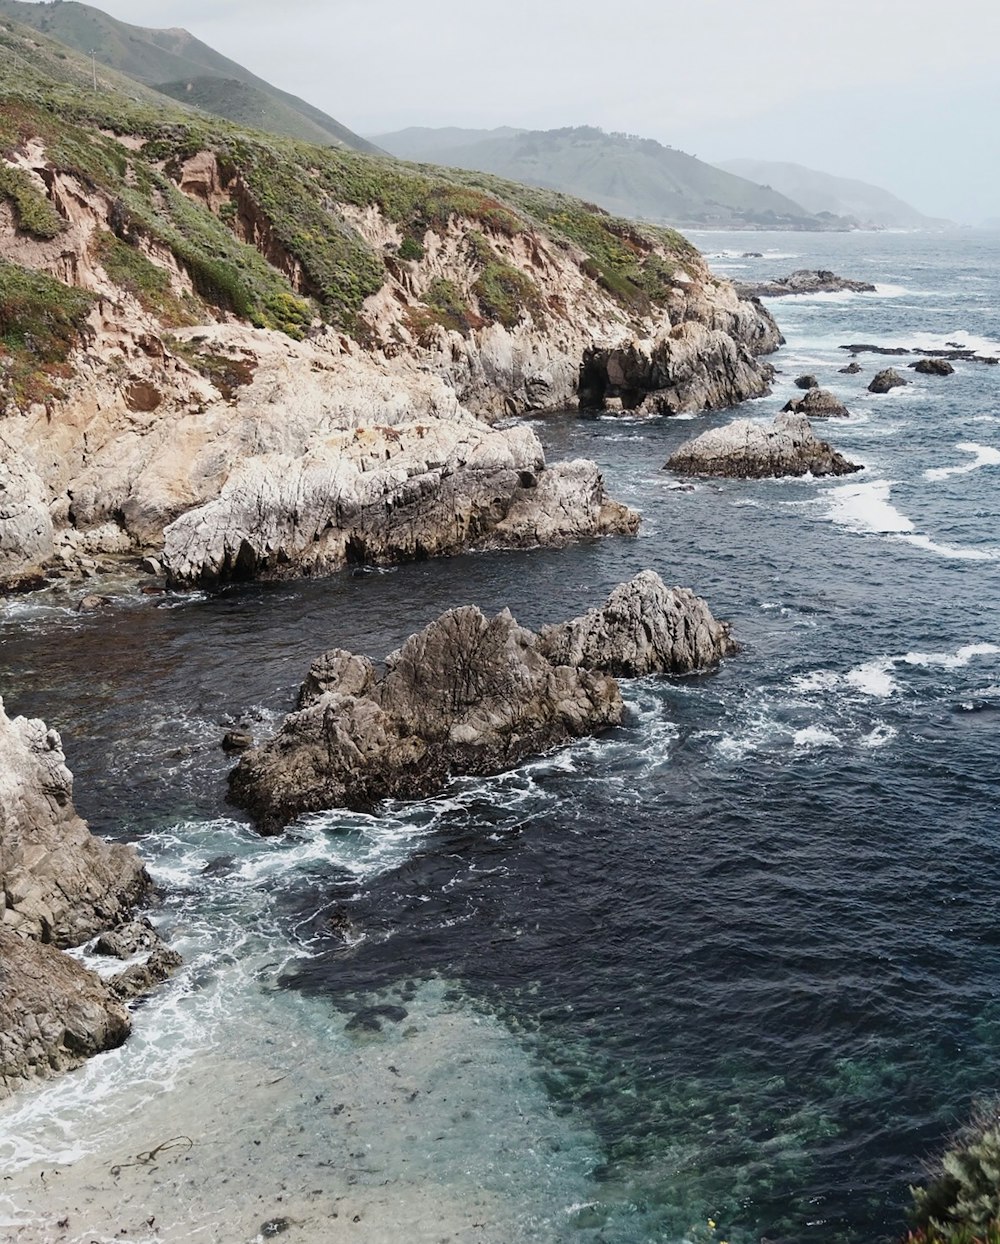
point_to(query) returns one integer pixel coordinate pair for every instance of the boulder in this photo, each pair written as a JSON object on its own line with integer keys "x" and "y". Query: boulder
{"x": 933, "y": 367}
{"x": 26, "y": 533}
{"x": 805, "y": 281}
{"x": 852, "y": 369}
{"x": 806, "y": 382}
{"x": 748, "y": 450}
{"x": 644, "y": 627}
{"x": 818, "y": 404}
{"x": 886, "y": 380}
{"x": 466, "y": 695}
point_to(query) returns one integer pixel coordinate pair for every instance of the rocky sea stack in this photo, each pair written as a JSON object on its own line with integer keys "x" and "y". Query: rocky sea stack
{"x": 60, "y": 887}
{"x": 805, "y": 281}
{"x": 467, "y": 695}
{"x": 744, "y": 449}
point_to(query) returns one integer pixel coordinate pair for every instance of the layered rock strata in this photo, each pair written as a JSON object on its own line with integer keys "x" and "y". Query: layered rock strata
{"x": 744, "y": 449}
{"x": 59, "y": 886}
{"x": 466, "y": 695}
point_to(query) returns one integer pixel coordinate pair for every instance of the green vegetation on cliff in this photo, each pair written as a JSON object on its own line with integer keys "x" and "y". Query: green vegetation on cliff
{"x": 262, "y": 228}
{"x": 960, "y": 1204}
{"x": 41, "y": 320}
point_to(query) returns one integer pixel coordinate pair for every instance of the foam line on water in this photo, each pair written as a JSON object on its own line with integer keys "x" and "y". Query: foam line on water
{"x": 866, "y": 508}
{"x": 982, "y": 456}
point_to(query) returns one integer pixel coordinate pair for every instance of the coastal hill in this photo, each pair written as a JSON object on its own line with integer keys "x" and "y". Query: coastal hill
{"x": 240, "y": 355}
{"x": 626, "y": 175}
{"x": 870, "y": 205}
{"x": 177, "y": 64}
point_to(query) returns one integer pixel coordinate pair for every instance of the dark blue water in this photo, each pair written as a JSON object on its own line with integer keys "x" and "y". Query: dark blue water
{"x": 750, "y": 940}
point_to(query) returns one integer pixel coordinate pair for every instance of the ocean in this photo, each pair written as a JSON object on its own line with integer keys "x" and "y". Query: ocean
{"x": 728, "y": 973}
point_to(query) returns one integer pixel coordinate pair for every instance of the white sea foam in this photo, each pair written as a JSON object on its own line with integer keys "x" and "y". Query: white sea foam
{"x": 983, "y": 455}
{"x": 818, "y": 680}
{"x": 952, "y": 660}
{"x": 866, "y": 508}
{"x": 816, "y": 736}
{"x": 874, "y": 677}
{"x": 954, "y": 552}
{"x": 880, "y": 736}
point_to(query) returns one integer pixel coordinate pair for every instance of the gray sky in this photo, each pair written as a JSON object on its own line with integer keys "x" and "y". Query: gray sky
{"x": 903, "y": 93}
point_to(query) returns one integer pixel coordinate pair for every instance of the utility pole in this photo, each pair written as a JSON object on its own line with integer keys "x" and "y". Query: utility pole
{"x": 93, "y": 65}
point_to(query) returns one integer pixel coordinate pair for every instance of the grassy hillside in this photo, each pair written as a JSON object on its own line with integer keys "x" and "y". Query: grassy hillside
{"x": 626, "y": 175}
{"x": 175, "y": 58}
{"x": 870, "y": 206}
{"x": 281, "y": 222}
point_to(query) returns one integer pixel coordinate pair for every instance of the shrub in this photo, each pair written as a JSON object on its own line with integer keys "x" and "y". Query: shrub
{"x": 961, "y": 1201}
{"x": 41, "y": 320}
{"x": 34, "y": 214}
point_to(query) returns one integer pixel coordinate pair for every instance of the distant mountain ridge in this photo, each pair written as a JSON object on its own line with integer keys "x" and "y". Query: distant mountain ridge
{"x": 870, "y": 205}
{"x": 622, "y": 173}
{"x": 174, "y": 62}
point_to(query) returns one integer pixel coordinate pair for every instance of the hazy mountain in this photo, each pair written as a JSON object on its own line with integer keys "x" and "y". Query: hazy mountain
{"x": 870, "y": 205}
{"x": 627, "y": 175}
{"x": 183, "y": 67}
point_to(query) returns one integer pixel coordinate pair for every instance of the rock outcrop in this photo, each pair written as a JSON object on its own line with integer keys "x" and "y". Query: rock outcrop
{"x": 933, "y": 367}
{"x": 806, "y": 382}
{"x": 690, "y": 368}
{"x": 59, "y": 886}
{"x": 886, "y": 380}
{"x": 805, "y": 281}
{"x": 466, "y": 695}
{"x": 644, "y": 627}
{"x": 818, "y": 404}
{"x": 748, "y": 450}
{"x": 388, "y": 494}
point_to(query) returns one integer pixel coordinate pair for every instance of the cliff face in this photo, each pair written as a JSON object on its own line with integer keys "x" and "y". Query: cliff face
{"x": 273, "y": 361}
{"x": 59, "y": 886}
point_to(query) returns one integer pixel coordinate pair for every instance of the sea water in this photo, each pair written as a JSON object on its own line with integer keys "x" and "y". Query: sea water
{"x": 730, "y": 971}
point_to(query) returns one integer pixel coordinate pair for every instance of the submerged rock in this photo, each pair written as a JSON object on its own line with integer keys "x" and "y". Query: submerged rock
{"x": 466, "y": 695}
{"x": 59, "y": 886}
{"x": 886, "y": 380}
{"x": 748, "y": 450}
{"x": 805, "y": 281}
{"x": 818, "y": 404}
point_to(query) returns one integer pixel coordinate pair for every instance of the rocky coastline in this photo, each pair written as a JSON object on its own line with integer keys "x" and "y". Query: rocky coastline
{"x": 61, "y": 887}
{"x": 467, "y": 695}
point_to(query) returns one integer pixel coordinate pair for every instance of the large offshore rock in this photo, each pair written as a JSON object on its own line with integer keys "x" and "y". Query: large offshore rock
{"x": 644, "y": 627}
{"x": 466, "y": 695}
{"x": 818, "y": 404}
{"x": 744, "y": 449}
{"x": 389, "y": 494}
{"x": 805, "y": 281}
{"x": 886, "y": 380}
{"x": 59, "y": 885}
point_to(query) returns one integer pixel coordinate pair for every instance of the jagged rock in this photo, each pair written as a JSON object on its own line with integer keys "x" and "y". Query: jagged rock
{"x": 128, "y": 940}
{"x": 139, "y": 978}
{"x": 806, "y": 382}
{"x": 54, "y": 1013}
{"x": 692, "y": 368}
{"x": 59, "y": 886}
{"x": 886, "y": 380}
{"x": 818, "y": 404}
{"x": 467, "y": 694}
{"x": 805, "y": 281}
{"x": 748, "y": 450}
{"x": 933, "y": 367}
{"x": 237, "y": 741}
{"x": 91, "y": 603}
{"x": 852, "y": 369}
{"x": 643, "y": 628}
{"x": 381, "y": 495}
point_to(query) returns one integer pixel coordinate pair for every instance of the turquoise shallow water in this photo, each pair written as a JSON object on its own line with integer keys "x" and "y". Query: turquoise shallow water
{"x": 746, "y": 946}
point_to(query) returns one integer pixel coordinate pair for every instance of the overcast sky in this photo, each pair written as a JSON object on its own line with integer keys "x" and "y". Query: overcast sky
{"x": 903, "y": 93}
